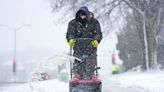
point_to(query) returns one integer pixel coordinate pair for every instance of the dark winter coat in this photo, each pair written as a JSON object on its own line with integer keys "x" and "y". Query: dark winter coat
{"x": 89, "y": 29}
{"x": 85, "y": 29}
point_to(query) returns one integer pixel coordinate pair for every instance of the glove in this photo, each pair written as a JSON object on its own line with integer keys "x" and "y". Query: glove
{"x": 72, "y": 42}
{"x": 95, "y": 43}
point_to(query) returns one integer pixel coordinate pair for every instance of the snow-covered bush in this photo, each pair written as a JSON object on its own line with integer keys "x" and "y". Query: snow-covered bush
{"x": 64, "y": 75}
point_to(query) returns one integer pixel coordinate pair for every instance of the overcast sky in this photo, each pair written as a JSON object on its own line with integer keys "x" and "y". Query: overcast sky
{"x": 47, "y": 30}
{"x": 44, "y": 36}
{"x": 41, "y": 34}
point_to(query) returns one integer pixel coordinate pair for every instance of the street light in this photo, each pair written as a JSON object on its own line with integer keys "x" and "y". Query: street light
{"x": 15, "y": 41}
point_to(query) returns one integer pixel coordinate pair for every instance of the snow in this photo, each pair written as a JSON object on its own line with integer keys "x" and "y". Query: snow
{"x": 151, "y": 81}
{"x": 47, "y": 31}
{"x": 43, "y": 86}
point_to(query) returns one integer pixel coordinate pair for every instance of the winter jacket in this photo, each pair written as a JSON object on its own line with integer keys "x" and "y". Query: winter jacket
{"x": 76, "y": 29}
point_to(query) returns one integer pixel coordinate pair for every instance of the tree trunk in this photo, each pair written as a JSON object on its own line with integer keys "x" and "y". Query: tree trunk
{"x": 145, "y": 42}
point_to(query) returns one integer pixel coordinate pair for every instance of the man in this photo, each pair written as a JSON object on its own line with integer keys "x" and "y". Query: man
{"x": 84, "y": 27}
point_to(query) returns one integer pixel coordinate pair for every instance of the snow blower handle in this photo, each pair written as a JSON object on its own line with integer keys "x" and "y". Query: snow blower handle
{"x": 71, "y": 62}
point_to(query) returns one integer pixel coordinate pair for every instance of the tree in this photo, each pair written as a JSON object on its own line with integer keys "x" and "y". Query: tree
{"x": 149, "y": 14}
{"x": 130, "y": 44}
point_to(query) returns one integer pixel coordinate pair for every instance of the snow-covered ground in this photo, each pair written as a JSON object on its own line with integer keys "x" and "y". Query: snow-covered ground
{"x": 151, "y": 81}
{"x": 44, "y": 86}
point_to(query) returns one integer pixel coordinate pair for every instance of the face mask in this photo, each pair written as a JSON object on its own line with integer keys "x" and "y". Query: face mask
{"x": 83, "y": 21}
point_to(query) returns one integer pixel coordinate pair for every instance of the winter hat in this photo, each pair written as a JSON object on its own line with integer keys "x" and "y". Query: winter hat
{"x": 81, "y": 12}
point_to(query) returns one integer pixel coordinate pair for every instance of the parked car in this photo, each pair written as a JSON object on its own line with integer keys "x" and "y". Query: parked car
{"x": 40, "y": 76}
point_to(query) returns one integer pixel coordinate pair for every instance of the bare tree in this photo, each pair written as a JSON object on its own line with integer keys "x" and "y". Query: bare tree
{"x": 106, "y": 7}
{"x": 147, "y": 14}
{"x": 150, "y": 14}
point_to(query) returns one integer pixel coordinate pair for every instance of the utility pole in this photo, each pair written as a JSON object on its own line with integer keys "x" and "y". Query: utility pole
{"x": 14, "y": 63}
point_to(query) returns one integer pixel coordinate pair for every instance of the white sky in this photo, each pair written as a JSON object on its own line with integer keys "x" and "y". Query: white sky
{"x": 41, "y": 34}
{"x": 47, "y": 30}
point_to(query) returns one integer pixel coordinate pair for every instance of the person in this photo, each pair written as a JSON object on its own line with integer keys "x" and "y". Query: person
{"x": 115, "y": 66}
{"x": 115, "y": 69}
{"x": 113, "y": 58}
{"x": 91, "y": 15}
{"x": 83, "y": 26}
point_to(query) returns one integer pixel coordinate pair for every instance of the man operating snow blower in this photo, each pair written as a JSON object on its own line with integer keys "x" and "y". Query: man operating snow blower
{"x": 83, "y": 35}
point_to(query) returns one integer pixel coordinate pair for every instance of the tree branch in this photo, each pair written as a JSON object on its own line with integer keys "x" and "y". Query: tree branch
{"x": 159, "y": 20}
{"x": 133, "y": 7}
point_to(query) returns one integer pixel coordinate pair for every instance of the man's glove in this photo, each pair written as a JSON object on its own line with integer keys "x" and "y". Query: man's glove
{"x": 95, "y": 43}
{"x": 72, "y": 42}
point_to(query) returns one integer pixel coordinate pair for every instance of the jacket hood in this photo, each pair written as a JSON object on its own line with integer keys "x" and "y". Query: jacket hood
{"x": 83, "y": 9}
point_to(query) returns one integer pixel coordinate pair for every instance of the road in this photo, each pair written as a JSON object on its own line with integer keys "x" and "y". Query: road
{"x": 4, "y": 85}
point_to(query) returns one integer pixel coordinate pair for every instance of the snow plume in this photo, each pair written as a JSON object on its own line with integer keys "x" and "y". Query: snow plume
{"x": 50, "y": 64}
{"x": 26, "y": 69}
